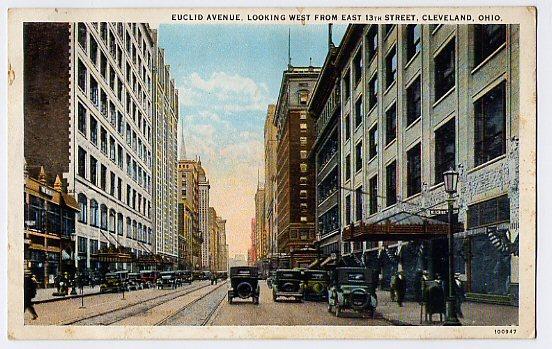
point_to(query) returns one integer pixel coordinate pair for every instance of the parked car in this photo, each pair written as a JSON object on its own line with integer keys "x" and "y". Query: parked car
{"x": 186, "y": 276}
{"x": 166, "y": 279}
{"x": 352, "y": 288}
{"x": 149, "y": 277}
{"x": 135, "y": 282}
{"x": 315, "y": 284}
{"x": 288, "y": 283}
{"x": 114, "y": 282}
{"x": 244, "y": 283}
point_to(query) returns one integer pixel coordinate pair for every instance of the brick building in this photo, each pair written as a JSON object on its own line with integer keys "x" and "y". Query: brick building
{"x": 295, "y": 174}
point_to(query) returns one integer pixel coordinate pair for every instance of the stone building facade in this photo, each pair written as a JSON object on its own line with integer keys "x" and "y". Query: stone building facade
{"x": 88, "y": 96}
{"x": 188, "y": 213}
{"x": 417, "y": 100}
{"x": 270, "y": 171}
{"x": 203, "y": 215}
{"x": 164, "y": 144}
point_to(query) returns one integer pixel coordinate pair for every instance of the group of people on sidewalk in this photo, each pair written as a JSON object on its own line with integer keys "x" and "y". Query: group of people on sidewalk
{"x": 398, "y": 289}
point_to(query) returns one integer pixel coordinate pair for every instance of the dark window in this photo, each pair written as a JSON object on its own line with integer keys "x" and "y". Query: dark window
{"x": 358, "y": 157}
{"x": 391, "y": 179}
{"x": 112, "y": 183}
{"x": 413, "y": 43}
{"x": 82, "y": 245}
{"x": 390, "y": 67}
{"x": 347, "y": 167}
{"x": 83, "y": 206}
{"x": 490, "y": 125}
{"x": 82, "y": 118}
{"x": 347, "y": 85}
{"x": 489, "y": 212}
{"x": 347, "y": 127}
{"x": 82, "y": 36}
{"x": 119, "y": 224}
{"x": 358, "y": 194}
{"x": 348, "y": 209}
{"x": 414, "y": 170}
{"x": 93, "y": 130}
{"x": 82, "y": 163}
{"x": 445, "y": 149}
{"x": 82, "y": 76}
{"x": 93, "y": 170}
{"x": 487, "y": 39}
{"x": 93, "y": 51}
{"x": 358, "y": 112}
{"x": 103, "y": 177}
{"x": 414, "y": 102}
{"x": 119, "y": 189}
{"x": 373, "y": 194}
{"x": 372, "y": 42}
{"x": 444, "y": 70}
{"x": 103, "y": 217}
{"x": 94, "y": 213}
{"x": 390, "y": 124}
{"x": 103, "y": 140}
{"x": 357, "y": 63}
{"x": 373, "y": 92}
{"x": 373, "y": 142}
{"x": 94, "y": 91}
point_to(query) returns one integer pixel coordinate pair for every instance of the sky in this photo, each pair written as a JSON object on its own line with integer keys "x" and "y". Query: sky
{"x": 227, "y": 75}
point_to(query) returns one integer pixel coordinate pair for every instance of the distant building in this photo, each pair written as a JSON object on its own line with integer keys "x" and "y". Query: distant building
{"x": 203, "y": 215}
{"x": 295, "y": 174}
{"x": 252, "y": 251}
{"x": 270, "y": 187}
{"x": 260, "y": 230}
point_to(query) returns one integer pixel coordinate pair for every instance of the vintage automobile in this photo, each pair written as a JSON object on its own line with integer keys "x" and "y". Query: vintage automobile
{"x": 135, "y": 282}
{"x": 149, "y": 277}
{"x": 352, "y": 288}
{"x": 115, "y": 282}
{"x": 186, "y": 276}
{"x": 167, "y": 279}
{"x": 315, "y": 284}
{"x": 288, "y": 283}
{"x": 244, "y": 283}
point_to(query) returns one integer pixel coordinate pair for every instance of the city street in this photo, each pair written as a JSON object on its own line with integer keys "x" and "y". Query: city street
{"x": 197, "y": 304}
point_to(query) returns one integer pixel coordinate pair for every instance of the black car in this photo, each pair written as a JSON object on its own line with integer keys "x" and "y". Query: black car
{"x": 352, "y": 288}
{"x": 244, "y": 283}
{"x": 288, "y": 283}
{"x": 167, "y": 279}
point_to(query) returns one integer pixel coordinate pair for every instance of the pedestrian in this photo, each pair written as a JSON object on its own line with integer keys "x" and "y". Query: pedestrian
{"x": 29, "y": 286}
{"x": 400, "y": 288}
{"x": 459, "y": 294}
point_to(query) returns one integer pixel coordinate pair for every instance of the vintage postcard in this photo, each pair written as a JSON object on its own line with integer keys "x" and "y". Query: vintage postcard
{"x": 272, "y": 173}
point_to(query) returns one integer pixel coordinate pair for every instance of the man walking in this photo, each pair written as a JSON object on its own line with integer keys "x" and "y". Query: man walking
{"x": 29, "y": 293}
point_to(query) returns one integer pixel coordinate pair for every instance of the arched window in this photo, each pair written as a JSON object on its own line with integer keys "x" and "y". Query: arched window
{"x": 140, "y": 238}
{"x": 129, "y": 228}
{"x": 112, "y": 216}
{"x": 93, "y": 213}
{"x": 120, "y": 224}
{"x": 103, "y": 216}
{"x": 83, "y": 206}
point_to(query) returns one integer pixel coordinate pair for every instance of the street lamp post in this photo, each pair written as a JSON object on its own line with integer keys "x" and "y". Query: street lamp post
{"x": 451, "y": 183}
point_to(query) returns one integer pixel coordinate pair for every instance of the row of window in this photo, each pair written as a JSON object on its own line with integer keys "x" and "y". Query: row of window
{"x": 113, "y": 149}
{"x": 133, "y": 198}
{"x": 489, "y": 140}
{"x": 48, "y": 217}
{"x": 109, "y": 220}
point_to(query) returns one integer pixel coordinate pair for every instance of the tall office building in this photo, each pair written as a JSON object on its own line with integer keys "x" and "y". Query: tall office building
{"x": 203, "y": 215}
{"x": 88, "y": 98}
{"x": 270, "y": 171}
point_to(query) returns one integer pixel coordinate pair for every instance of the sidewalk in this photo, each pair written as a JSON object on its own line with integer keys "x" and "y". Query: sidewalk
{"x": 475, "y": 314}
{"x": 45, "y": 294}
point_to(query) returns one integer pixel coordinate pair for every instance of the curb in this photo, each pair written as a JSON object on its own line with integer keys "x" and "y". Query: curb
{"x": 50, "y": 300}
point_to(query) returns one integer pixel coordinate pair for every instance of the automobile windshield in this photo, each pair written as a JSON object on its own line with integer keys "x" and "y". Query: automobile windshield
{"x": 288, "y": 275}
{"x": 355, "y": 277}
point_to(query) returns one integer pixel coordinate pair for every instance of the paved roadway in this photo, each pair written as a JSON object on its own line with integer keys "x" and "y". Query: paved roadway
{"x": 197, "y": 304}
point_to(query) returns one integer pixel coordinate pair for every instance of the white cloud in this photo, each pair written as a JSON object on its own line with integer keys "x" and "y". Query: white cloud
{"x": 225, "y": 92}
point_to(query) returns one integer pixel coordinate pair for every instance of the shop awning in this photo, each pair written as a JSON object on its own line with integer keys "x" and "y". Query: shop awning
{"x": 114, "y": 255}
{"x": 70, "y": 201}
{"x": 403, "y": 226}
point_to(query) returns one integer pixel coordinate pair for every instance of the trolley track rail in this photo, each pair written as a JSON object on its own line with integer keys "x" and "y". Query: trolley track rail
{"x": 132, "y": 309}
{"x": 166, "y": 319}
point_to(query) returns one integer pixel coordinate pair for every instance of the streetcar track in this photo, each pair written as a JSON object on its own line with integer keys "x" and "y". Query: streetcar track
{"x": 212, "y": 312}
{"x": 168, "y": 317}
{"x": 141, "y": 303}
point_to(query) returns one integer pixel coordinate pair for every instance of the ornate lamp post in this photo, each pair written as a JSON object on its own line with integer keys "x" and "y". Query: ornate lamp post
{"x": 451, "y": 184}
